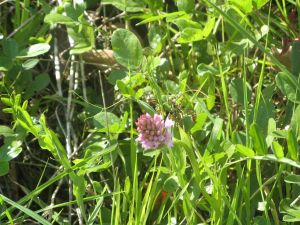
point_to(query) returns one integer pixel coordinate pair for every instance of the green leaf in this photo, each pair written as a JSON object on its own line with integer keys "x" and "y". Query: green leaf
{"x": 155, "y": 4}
{"x": 10, "y": 150}
{"x": 171, "y": 184}
{"x": 169, "y": 16}
{"x": 107, "y": 119}
{"x": 190, "y": 34}
{"x": 7, "y": 101}
{"x": 239, "y": 46}
{"x": 266, "y": 109}
{"x": 283, "y": 160}
{"x": 54, "y": 18}
{"x": 260, "y": 3}
{"x": 292, "y": 179}
{"x": 245, "y": 5}
{"x": 41, "y": 82}
{"x": 145, "y": 106}
{"x": 78, "y": 28}
{"x": 139, "y": 93}
{"x": 91, "y": 168}
{"x": 211, "y": 97}
{"x": 96, "y": 211}
{"x": 186, "y": 21}
{"x": 183, "y": 79}
{"x": 292, "y": 214}
{"x": 213, "y": 158}
{"x": 295, "y": 122}
{"x": 172, "y": 87}
{"x": 27, "y": 211}
{"x": 292, "y": 145}
{"x": 278, "y": 150}
{"x": 200, "y": 121}
{"x": 204, "y": 69}
{"x": 245, "y": 151}
{"x": 25, "y": 120}
{"x": 236, "y": 90}
{"x": 34, "y": 50}
{"x": 295, "y": 58}
{"x": 127, "y": 186}
{"x": 116, "y": 75}
{"x": 186, "y": 5}
{"x": 259, "y": 142}
{"x": 125, "y": 89}
{"x": 127, "y": 48}
{"x": 75, "y": 10}
{"x": 29, "y": 64}
{"x": 215, "y": 134}
{"x": 10, "y": 48}
{"x": 289, "y": 88}
{"x": 5, "y": 63}
{"x": 6, "y": 131}
{"x": 126, "y": 5}
{"x": 260, "y": 220}
{"x": 83, "y": 37}
{"x": 4, "y": 168}
{"x": 179, "y": 159}
{"x": 271, "y": 129}
{"x": 185, "y": 138}
{"x": 156, "y": 36}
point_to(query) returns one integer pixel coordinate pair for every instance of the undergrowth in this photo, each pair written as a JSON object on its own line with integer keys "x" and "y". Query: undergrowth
{"x": 149, "y": 112}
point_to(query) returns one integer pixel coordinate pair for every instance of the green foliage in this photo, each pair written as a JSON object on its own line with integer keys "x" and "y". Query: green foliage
{"x": 126, "y": 5}
{"x": 34, "y": 50}
{"x": 78, "y": 28}
{"x": 295, "y": 55}
{"x": 246, "y": 6}
{"x": 190, "y": 34}
{"x": 11, "y": 148}
{"x": 76, "y": 75}
{"x": 236, "y": 90}
{"x": 127, "y": 48}
{"x": 288, "y": 87}
{"x": 27, "y": 211}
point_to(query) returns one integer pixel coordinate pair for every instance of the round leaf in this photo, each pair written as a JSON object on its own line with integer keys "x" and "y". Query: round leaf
{"x": 99, "y": 120}
{"x": 171, "y": 184}
{"x": 127, "y": 48}
{"x": 41, "y": 82}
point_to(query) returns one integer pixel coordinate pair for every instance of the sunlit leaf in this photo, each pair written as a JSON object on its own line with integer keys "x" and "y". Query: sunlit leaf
{"x": 258, "y": 138}
{"x": 34, "y": 50}
{"x": 245, "y": 151}
{"x": 245, "y": 5}
{"x": 54, "y": 18}
{"x": 190, "y": 34}
{"x": 126, "y": 5}
{"x": 127, "y": 48}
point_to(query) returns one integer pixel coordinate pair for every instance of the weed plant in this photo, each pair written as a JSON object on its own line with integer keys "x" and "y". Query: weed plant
{"x": 150, "y": 112}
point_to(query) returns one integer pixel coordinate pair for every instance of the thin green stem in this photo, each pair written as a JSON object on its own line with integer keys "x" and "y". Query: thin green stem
{"x": 225, "y": 96}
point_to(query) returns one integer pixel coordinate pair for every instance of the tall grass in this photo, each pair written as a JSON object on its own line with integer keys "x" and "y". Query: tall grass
{"x": 69, "y": 136}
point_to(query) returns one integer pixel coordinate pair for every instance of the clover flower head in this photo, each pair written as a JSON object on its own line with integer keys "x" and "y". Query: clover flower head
{"x": 154, "y": 131}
